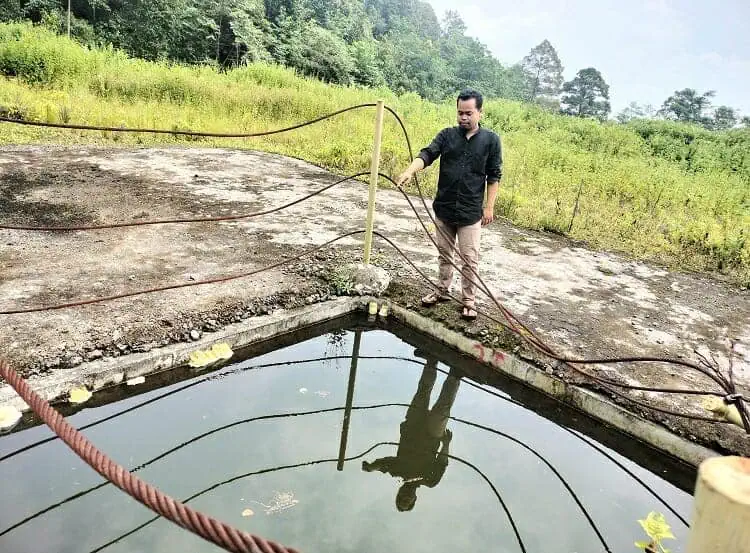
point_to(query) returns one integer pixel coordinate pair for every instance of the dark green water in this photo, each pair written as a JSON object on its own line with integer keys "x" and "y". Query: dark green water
{"x": 284, "y": 466}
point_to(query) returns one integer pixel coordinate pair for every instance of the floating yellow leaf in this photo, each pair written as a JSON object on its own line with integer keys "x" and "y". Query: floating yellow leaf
{"x": 204, "y": 358}
{"x": 247, "y": 513}
{"x": 222, "y": 351}
{"x": 9, "y": 417}
{"x": 79, "y": 395}
{"x": 199, "y": 359}
{"x": 728, "y": 412}
{"x": 656, "y": 527}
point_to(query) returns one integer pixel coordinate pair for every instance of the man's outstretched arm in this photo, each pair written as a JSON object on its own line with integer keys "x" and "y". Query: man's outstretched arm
{"x": 383, "y": 464}
{"x": 425, "y": 158}
{"x": 416, "y": 165}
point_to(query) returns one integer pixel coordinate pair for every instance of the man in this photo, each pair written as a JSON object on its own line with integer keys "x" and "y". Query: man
{"x": 471, "y": 159}
{"x": 418, "y": 461}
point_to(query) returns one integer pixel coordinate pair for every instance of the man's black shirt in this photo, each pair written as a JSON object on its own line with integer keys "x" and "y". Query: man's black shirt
{"x": 465, "y": 167}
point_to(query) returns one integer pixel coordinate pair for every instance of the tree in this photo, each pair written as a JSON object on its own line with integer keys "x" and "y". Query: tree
{"x": 724, "y": 118}
{"x": 587, "y": 95}
{"x": 366, "y": 70}
{"x": 470, "y": 63}
{"x": 322, "y": 54}
{"x": 399, "y": 43}
{"x": 171, "y": 29}
{"x": 511, "y": 83}
{"x": 278, "y": 9}
{"x": 688, "y": 106}
{"x": 411, "y": 63}
{"x": 636, "y": 111}
{"x": 10, "y": 10}
{"x": 36, "y": 10}
{"x": 453, "y": 24}
{"x": 544, "y": 72}
{"x": 745, "y": 121}
{"x": 399, "y": 16}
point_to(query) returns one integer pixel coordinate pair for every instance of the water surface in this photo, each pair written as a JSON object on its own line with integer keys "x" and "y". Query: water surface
{"x": 284, "y": 414}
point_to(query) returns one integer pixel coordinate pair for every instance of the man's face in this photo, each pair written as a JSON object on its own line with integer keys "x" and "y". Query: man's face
{"x": 468, "y": 115}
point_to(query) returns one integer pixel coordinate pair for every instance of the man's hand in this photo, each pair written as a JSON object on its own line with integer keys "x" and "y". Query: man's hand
{"x": 416, "y": 165}
{"x": 488, "y": 216}
{"x": 448, "y": 436}
{"x": 404, "y": 177}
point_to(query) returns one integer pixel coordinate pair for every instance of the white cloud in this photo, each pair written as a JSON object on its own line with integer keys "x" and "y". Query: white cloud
{"x": 660, "y": 8}
{"x": 646, "y": 49}
{"x": 711, "y": 57}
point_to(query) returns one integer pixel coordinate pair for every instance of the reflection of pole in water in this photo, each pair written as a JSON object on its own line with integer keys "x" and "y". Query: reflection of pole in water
{"x": 349, "y": 397}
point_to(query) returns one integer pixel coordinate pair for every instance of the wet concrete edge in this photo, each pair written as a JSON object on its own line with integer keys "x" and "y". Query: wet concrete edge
{"x": 586, "y": 401}
{"x": 97, "y": 375}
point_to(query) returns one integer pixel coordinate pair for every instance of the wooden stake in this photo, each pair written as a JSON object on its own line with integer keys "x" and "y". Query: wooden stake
{"x": 374, "y": 169}
{"x": 349, "y": 399}
{"x": 721, "y": 507}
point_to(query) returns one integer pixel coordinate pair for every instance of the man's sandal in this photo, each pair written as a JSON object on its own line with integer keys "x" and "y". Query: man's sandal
{"x": 433, "y": 297}
{"x": 468, "y": 313}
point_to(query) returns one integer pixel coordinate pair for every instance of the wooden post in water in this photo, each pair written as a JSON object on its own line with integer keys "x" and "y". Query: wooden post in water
{"x": 374, "y": 170}
{"x": 349, "y": 398}
{"x": 721, "y": 507}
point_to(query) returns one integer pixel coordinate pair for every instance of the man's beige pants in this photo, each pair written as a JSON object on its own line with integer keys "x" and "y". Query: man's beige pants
{"x": 468, "y": 246}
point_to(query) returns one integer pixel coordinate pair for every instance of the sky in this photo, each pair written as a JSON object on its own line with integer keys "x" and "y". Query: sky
{"x": 644, "y": 49}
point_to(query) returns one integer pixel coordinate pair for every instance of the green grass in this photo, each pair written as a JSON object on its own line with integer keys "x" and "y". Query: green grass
{"x": 644, "y": 192}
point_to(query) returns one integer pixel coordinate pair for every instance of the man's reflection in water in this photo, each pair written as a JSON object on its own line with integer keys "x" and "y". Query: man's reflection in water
{"x": 417, "y": 460}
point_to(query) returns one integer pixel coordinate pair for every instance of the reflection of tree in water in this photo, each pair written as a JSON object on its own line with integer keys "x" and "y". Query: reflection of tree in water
{"x": 335, "y": 343}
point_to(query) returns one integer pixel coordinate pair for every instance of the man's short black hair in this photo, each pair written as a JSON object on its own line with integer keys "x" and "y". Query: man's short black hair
{"x": 468, "y": 94}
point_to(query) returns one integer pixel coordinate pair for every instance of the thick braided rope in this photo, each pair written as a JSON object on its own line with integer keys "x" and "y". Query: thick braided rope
{"x": 204, "y": 526}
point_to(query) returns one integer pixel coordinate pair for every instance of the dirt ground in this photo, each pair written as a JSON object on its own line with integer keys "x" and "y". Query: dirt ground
{"x": 582, "y": 302}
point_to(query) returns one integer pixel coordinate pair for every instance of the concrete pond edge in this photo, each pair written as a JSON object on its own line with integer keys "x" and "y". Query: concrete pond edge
{"x": 571, "y": 395}
{"x": 96, "y": 375}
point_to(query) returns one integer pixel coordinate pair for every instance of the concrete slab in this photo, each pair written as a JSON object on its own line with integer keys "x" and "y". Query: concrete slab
{"x": 583, "y": 302}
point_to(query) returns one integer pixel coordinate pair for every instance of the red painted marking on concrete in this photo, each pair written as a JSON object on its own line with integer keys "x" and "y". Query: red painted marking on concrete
{"x": 479, "y": 347}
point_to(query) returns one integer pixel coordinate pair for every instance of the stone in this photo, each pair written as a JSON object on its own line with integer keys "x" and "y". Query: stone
{"x": 366, "y": 280}
{"x": 195, "y": 335}
{"x": 94, "y": 354}
{"x": 75, "y": 361}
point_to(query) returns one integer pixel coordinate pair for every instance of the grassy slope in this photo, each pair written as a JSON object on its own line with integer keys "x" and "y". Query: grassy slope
{"x": 630, "y": 200}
